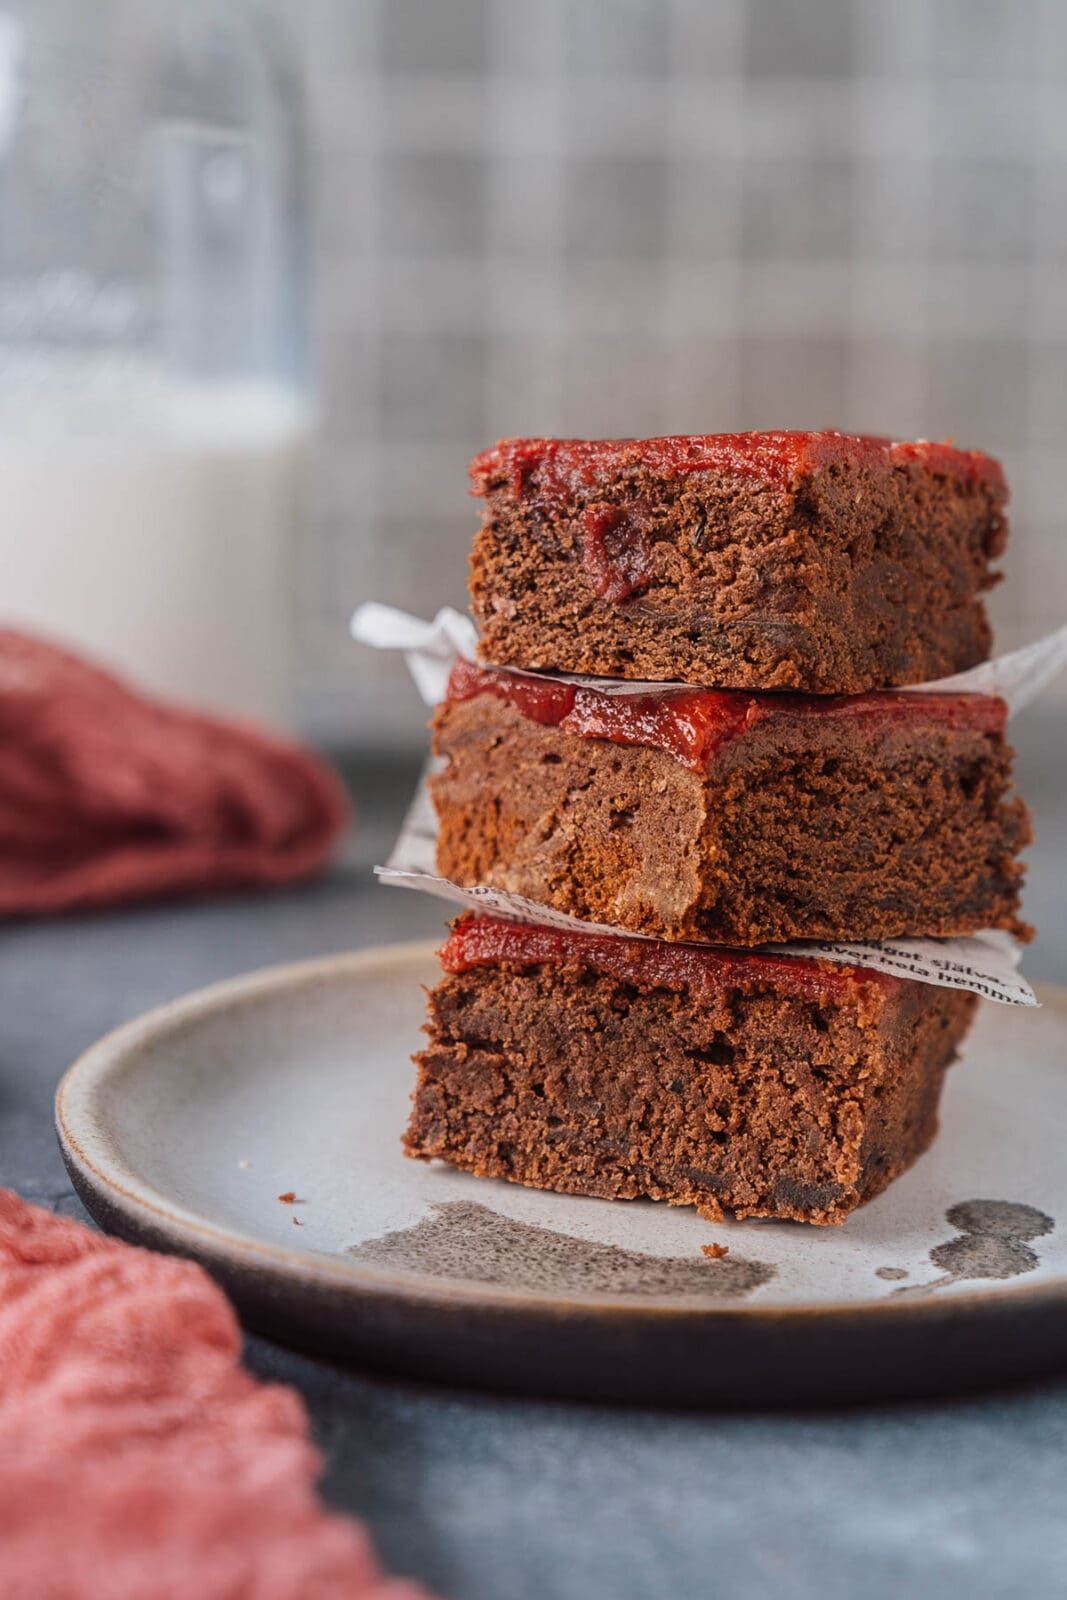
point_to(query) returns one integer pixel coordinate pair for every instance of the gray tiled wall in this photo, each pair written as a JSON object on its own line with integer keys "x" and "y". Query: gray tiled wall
{"x": 669, "y": 215}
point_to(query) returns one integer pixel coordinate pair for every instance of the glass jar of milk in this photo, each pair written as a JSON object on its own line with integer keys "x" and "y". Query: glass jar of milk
{"x": 154, "y": 399}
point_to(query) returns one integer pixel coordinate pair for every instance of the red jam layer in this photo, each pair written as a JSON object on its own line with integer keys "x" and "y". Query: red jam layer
{"x": 492, "y": 941}
{"x": 616, "y": 552}
{"x": 565, "y": 467}
{"x": 693, "y": 725}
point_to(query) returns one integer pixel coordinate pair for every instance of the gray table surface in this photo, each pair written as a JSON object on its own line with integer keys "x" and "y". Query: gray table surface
{"x": 490, "y": 1498}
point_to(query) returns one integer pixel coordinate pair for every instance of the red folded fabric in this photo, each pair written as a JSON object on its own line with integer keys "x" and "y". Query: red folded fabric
{"x": 106, "y": 796}
{"x": 137, "y": 1457}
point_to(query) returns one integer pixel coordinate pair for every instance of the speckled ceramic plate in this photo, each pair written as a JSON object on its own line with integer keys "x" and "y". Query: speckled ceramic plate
{"x": 184, "y": 1129}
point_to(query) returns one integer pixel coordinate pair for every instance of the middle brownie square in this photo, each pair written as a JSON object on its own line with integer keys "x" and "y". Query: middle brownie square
{"x": 732, "y": 818}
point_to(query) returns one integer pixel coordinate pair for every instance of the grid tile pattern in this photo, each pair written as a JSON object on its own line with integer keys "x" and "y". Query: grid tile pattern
{"x": 648, "y": 216}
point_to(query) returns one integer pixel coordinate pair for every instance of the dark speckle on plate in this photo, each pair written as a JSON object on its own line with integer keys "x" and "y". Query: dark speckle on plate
{"x": 462, "y": 1239}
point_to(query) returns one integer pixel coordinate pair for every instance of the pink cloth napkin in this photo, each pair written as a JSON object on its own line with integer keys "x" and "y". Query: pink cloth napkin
{"x": 137, "y": 1458}
{"x": 106, "y": 796}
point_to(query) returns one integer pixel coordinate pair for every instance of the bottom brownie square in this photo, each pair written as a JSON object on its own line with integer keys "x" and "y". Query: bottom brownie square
{"x": 763, "y": 1086}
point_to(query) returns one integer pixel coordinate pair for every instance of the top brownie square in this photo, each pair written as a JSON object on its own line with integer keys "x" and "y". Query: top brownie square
{"x": 823, "y": 562}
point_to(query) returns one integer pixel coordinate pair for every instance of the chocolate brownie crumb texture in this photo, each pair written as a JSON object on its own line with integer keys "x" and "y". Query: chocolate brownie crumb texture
{"x": 732, "y": 818}
{"x": 827, "y": 563}
{"x": 619, "y": 1068}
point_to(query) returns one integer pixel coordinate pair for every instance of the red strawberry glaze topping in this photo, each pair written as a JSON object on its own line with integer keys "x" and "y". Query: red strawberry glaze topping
{"x": 478, "y": 941}
{"x": 566, "y": 467}
{"x": 692, "y": 725}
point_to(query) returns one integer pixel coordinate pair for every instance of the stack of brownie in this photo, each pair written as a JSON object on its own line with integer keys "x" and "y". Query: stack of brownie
{"x": 760, "y": 775}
